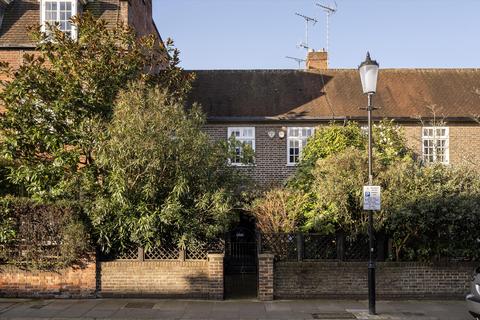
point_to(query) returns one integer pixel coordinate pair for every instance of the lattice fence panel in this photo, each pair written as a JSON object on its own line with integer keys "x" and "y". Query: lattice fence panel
{"x": 201, "y": 251}
{"x": 320, "y": 247}
{"x": 130, "y": 253}
{"x": 357, "y": 248}
{"x": 282, "y": 245}
{"x": 162, "y": 253}
{"x": 198, "y": 253}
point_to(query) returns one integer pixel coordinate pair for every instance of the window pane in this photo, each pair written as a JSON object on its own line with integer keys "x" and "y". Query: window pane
{"x": 293, "y": 132}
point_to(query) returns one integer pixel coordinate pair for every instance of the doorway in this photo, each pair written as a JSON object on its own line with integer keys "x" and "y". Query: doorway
{"x": 241, "y": 260}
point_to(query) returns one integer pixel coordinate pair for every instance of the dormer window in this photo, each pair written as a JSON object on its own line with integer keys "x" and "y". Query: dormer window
{"x": 59, "y": 12}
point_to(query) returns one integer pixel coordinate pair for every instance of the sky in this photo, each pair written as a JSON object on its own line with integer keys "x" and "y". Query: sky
{"x": 259, "y": 34}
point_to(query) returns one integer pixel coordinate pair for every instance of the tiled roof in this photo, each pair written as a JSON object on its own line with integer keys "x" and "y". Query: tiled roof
{"x": 23, "y": 13}
{"x": 403, "y": 94}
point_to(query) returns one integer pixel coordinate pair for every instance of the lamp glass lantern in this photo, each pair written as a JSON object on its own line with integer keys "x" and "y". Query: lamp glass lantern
{"x": 368, "y": 75}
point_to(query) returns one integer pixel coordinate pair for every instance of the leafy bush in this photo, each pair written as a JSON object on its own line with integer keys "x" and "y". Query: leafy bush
{"x": 165, "y": 181}
{"x": 432, "y": 211}
{"x": 40, "y": 235}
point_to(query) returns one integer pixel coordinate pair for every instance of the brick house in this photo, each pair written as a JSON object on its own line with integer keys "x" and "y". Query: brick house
{"x": 275, "y": 111}
{"x": 17, "y": 15}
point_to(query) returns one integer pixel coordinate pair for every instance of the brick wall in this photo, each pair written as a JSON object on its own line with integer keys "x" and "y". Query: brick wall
{"x": 13, "y": 57}
{"x": 140, "y": 17}
{"x": 75, "y": 282}
{"x": 167, "y": 278}
{"x": 271, "y": 167}
{"x": 349, "y": 280}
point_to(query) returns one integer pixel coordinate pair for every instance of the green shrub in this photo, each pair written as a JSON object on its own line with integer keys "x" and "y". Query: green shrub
{"x": 42, "y": 235}
{"x": 432, "y": 211}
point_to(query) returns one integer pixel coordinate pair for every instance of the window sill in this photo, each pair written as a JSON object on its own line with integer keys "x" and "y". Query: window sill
{"x": 292, "y": 164}
{"x": 241, "y": 165}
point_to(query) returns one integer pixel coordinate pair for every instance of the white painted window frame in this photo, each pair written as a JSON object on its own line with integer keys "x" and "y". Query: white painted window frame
{"x": 300, "y": 139}
{"x": 435, "y": 138}
{"x": 242, "y": 139}
{"x": 75, "y": 11}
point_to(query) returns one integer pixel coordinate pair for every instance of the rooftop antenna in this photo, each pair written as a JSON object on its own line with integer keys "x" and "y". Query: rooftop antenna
{"x": 307, "y": 21}
{"x": 329, "y": 10}
{"x": 298, "y": 60}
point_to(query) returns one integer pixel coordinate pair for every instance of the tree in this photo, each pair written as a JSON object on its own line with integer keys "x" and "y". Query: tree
{"x": 165, "y": 181}
{"x": 59, "y": 101}
{"x": 389, "y": 145}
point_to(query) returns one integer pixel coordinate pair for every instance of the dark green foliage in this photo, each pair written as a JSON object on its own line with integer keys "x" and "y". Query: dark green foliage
{"x": 165, "y": 181}
{"x": 42, "y": 235}
{"x": 432, "y": 211}
{"x": 59, "y": 101}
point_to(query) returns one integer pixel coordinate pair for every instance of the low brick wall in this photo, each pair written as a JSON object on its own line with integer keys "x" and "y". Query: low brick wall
{"x": 349, "y": 280}
{"x": 163, "y": 278}
{"x": 73, "y": 282}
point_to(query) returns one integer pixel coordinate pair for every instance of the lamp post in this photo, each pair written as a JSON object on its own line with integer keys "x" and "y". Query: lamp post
{"x": 368, "y": 74}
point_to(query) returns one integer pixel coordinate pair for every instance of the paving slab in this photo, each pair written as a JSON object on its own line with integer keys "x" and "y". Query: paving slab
{"x": 110, "y": 309}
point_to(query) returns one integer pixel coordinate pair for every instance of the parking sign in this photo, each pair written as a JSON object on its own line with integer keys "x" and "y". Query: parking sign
{"x": 371, "y": 198}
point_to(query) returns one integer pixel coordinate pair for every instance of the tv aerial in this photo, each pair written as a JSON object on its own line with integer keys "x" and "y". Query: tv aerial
{"x": 329, "y": 10}
{"x": 307, "y": 21}
{"x": 298, "y": 60}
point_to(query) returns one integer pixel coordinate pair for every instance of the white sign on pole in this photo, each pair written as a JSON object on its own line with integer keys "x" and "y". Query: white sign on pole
{"x": 371, "y": 198}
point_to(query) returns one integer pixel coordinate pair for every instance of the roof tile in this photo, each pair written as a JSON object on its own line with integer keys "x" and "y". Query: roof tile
{"x": 336, "y": 94}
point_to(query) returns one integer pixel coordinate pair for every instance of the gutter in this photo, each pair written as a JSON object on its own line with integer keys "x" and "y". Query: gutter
{"x": 17, "y": 46}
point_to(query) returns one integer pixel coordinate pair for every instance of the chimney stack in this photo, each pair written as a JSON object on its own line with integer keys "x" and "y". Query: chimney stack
{"x": 317, "y": 60}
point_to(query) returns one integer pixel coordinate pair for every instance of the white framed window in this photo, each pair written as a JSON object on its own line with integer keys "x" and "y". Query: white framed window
{"x": 435, "y": 144}
{"x": 296, "y": 140}
{"x": 59, "y": 12}
{"x": 245, "y": 136}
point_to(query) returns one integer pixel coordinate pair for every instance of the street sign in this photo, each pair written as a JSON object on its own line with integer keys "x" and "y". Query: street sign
{"x": 371, "y": 198}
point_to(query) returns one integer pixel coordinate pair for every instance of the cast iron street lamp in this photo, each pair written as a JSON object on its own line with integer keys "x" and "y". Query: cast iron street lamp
{"x": 368, "y": 74}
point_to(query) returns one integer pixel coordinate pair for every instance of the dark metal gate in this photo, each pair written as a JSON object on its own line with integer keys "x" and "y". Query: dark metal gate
{"x": 241, "y": 264}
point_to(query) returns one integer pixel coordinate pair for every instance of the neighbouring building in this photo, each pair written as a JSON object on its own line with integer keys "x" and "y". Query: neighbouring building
{"x": 275, "y": 111}
{"x": 17, "y": 15}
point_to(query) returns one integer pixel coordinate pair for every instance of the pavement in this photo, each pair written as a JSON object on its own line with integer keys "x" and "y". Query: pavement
{"x": 28, "y": 309}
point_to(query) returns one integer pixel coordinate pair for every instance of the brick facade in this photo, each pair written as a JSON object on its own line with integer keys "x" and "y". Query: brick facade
{"x": 271, "y": 166}
{"x": 165, "y": 279}
{"x": 74, "y": 282}
{"x": 136, "y": 13}
{"x": 349, "y": 280}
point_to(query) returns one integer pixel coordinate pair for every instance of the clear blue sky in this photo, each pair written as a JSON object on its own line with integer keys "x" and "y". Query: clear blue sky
{"x": 258, "y": 34}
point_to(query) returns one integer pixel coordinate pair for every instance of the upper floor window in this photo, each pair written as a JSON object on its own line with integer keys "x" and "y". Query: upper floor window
{"x": 296, "y": 140}
{"x": 59, "y": 12}
{"x": 244, "y": 138}
{"x": 435, "y": 144}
